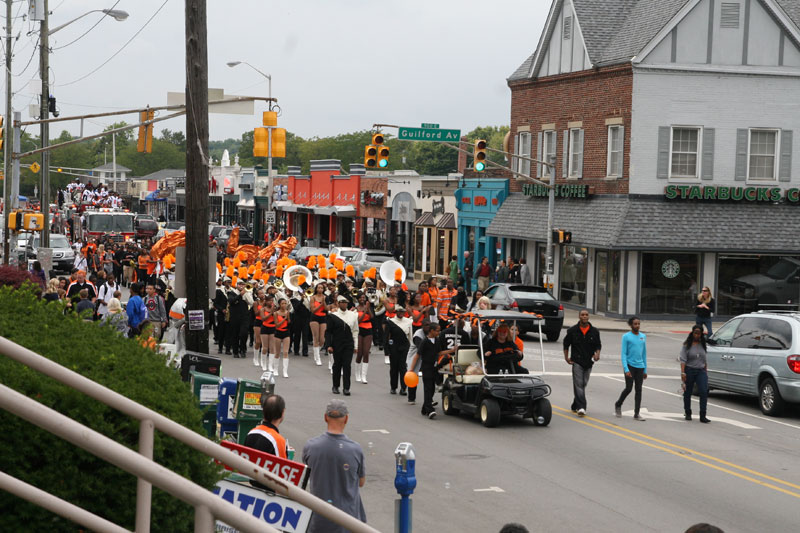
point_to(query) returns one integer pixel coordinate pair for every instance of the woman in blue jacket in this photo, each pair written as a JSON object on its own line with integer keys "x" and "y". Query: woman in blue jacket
{"x": 634, "y": 364}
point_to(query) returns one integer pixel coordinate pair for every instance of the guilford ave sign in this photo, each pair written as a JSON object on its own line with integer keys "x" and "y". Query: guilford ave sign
{"x": 428, "y": 132}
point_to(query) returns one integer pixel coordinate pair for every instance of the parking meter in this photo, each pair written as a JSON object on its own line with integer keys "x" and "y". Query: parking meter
{"x": 267, "y": 383}
{"x": 405, "y": 482}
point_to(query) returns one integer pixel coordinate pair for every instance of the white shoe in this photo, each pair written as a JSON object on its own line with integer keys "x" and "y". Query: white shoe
{"x": 358, "y": 371}
{"x": 317, "y": 360}
{"x": 285, "y": 367}
{"x": 256, "y": 357}
{"x": 364, "y": 367}
{"x": 263, "y": 361}
{"x": 271, "y": 362}
{"x": 581, "y": 412}
{"x": 386, "y": 360}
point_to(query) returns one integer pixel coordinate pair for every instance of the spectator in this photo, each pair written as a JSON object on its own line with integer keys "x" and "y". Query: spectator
{"x": 106, "y": 292}
{"x": 115, "y": 317}
{"x": 37, "y": 272}
{"x": 84, "y": 305}
{"x": 525, "y": 272}
{"x": 51, "y": 295}
{"x": 453, "y": 269}
{"x": 484, "y": 271}
{"x": 337, "y": 469}
{"x": 156, "y": 311}
{"x": 265, "y": 436}
{"x": 136, "y": 311}
{"x": 502, "y": 272}
{"x": 467, "y": 272}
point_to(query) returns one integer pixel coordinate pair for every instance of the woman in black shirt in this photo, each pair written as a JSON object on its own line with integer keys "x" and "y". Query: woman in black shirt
{"x": 501, "y": 353}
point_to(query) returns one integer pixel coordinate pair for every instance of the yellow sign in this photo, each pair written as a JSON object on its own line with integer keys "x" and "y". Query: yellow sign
{"x": 35, "y": 167}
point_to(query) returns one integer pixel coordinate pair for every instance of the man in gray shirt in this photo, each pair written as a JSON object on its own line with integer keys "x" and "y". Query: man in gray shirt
{"x": 337, "y": 469}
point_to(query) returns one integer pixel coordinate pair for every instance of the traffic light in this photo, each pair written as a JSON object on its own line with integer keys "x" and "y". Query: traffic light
{"x": 145, "y": 141}
{"x": 370, "y": 156}
{"x": 278, "y": 142}
{"x": 269, "y": 118}
{"x": 260, "y": 142}
{"x": 377, "y": 139}
{"x": 383, "y": 156}
{"x": 479, "y": 155}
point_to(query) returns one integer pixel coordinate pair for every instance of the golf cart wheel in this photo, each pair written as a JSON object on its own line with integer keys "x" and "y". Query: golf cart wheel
{"x": 552, "y": 336}
{"x": 490, "y": 412}
{"x": 447, "y": 404}
{"x": 542, "y": 412}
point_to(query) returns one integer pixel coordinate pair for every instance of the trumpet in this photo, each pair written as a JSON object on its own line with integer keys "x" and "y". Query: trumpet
{"x": 278, "y": 284}
{"x": 309, "y": 291}
{"x": 354, "y": 293}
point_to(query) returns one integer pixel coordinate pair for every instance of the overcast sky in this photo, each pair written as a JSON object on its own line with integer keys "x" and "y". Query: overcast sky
{"x": 337, "y": 65}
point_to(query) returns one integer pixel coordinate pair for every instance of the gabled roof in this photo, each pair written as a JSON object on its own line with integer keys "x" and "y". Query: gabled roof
{"x": 109, "y": 167}
{"x": 615, "y": 31}
{"x": 165, "y": 173}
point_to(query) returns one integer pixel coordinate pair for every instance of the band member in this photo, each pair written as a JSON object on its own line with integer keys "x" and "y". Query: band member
{"x": 365, "y": 318}
{"x": 282, "y": 320}
{"x": 398, "y": 332}
{"x": 300, "y": 330}
{"x": 258, "y": 303}
{"x": 390, "y": 311}
{"x": 319, "y": 312}
{"x": 267, "y": 333}
{"x": 341, "y": 338}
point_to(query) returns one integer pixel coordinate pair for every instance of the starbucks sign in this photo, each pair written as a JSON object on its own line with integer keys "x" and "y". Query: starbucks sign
{"x": 670, "y": 268}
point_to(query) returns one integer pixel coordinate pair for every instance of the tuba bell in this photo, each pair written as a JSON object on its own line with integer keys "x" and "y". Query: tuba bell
{"x": 291, "y": 279}
{"x": 388, "y": 271}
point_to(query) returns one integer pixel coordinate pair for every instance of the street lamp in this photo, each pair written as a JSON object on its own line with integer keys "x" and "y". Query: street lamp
{"x": 116, "y": 14}
{"x": 44, "y": 70}
{"x": 269, "y": 78}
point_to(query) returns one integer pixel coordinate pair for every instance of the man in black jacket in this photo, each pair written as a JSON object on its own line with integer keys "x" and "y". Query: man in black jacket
{"x": 341, "y": 338}
{"x": 585, "y": 342}
{"x": 299, "y": 326}
{"x": 239, "y": 323}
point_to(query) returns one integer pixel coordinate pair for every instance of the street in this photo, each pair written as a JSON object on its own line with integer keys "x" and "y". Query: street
{"x": 598, "y": 473}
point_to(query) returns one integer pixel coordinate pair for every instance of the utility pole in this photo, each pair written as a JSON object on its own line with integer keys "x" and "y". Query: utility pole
{"x": 196, "y": 169}
{"x": 45, "y": 129}
{"x": 551, "y": 203}
{"x": 114, "y": 160}
{"x": 7, "y": 126}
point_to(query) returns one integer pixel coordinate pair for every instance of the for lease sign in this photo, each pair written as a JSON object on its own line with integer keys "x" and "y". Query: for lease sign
{"x": 291, "y": 471}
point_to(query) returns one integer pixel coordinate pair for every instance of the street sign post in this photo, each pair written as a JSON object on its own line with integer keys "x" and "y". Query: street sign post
{"x": 405, "y": 133}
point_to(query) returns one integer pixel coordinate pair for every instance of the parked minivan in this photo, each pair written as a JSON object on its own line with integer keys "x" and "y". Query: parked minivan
{"x": 757, "y": 354}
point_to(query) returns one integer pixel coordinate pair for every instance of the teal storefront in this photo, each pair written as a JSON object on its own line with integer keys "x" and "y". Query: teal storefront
{"x": 478, "y": 201}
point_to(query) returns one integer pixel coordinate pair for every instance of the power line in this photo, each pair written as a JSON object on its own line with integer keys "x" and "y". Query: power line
{"x": 118, "y": 51}
{"x": 90, "y": 29}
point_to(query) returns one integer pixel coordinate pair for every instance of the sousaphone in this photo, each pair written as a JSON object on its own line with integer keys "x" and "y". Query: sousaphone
{"x": 388, "y": 273}
{"x": 291, "y": 278}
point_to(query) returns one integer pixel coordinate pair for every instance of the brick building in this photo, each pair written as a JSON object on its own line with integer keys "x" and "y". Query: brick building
{"x": 672, "y": 127}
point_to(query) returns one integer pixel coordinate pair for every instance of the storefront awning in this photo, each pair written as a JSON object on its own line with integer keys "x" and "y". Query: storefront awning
{"x": 338, "y": 210}
{"x": 448, "y": 221}
{"x": 426, "y": 219}
{"x": 246, "y": 203}
{"x": 288, "y": 207}
{"x": 654, "y": 223}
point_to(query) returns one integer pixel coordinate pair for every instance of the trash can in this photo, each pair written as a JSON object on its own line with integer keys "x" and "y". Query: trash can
{"x": 206, "y": 389}
{"x": 247, "y": 408}
{"x": 226, "y": 420}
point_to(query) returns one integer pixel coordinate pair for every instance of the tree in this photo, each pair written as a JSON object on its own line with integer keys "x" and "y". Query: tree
{"x": 494, "y": 136}
{"x": 432, "y": 159}
{"x": 56, "y": 466}
{"x": 175, "y": 137}
{"x": 164, "y": 155}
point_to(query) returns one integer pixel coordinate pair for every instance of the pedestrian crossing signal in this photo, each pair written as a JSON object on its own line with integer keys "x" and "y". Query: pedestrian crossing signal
{"x": 562, "y": 237}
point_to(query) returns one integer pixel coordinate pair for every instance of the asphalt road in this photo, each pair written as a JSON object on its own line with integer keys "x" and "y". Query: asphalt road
{"x": 597, "y": 473}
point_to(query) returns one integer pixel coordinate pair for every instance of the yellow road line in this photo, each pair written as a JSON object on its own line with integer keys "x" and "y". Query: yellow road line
{"x": 674, "y": 450}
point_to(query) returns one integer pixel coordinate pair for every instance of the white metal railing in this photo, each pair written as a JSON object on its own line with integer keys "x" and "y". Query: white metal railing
{"x": 207, "y": 506}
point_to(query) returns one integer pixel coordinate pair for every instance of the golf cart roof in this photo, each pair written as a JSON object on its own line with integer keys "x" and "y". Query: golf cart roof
{"x": 509, "y": 316}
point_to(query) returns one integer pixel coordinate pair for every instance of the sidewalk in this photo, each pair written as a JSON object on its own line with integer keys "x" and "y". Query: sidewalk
{"x": 604, "y": 323}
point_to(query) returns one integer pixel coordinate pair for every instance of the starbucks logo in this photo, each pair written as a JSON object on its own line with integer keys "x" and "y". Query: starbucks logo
{"x": 670, "y": 268}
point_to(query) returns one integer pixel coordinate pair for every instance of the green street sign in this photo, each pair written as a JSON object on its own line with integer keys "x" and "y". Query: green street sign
{"x": 428, "y": 134}
{"x": 429, "y": 126}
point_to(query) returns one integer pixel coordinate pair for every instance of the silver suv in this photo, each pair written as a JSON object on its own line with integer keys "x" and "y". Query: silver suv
{"x": 757, "y": 354}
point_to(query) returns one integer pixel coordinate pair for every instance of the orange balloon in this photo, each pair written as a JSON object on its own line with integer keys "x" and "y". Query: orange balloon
{"x": 411, "y": 379}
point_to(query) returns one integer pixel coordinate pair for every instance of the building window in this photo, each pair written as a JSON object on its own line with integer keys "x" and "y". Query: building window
{"x": 615, "y": 143}
{"x": 572, "y": 276}
{"x": 567, "y": 28}
{"x": 685, "y": 149}
{"x": 548, "y": 147}
{"x": 762, "y": 155}
{"x": 524, "y": 149}
{"x": 729, "y": 15}
{"x": 746, "y": 282}
{"x": 669, "y": 283}
{"x": 575, "y": 153}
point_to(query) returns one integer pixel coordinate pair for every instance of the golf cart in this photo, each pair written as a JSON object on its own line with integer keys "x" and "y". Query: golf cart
{"x": 466, "y": 388}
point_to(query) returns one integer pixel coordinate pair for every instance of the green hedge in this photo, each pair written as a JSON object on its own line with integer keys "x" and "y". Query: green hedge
{"x": 54, "y": 465}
